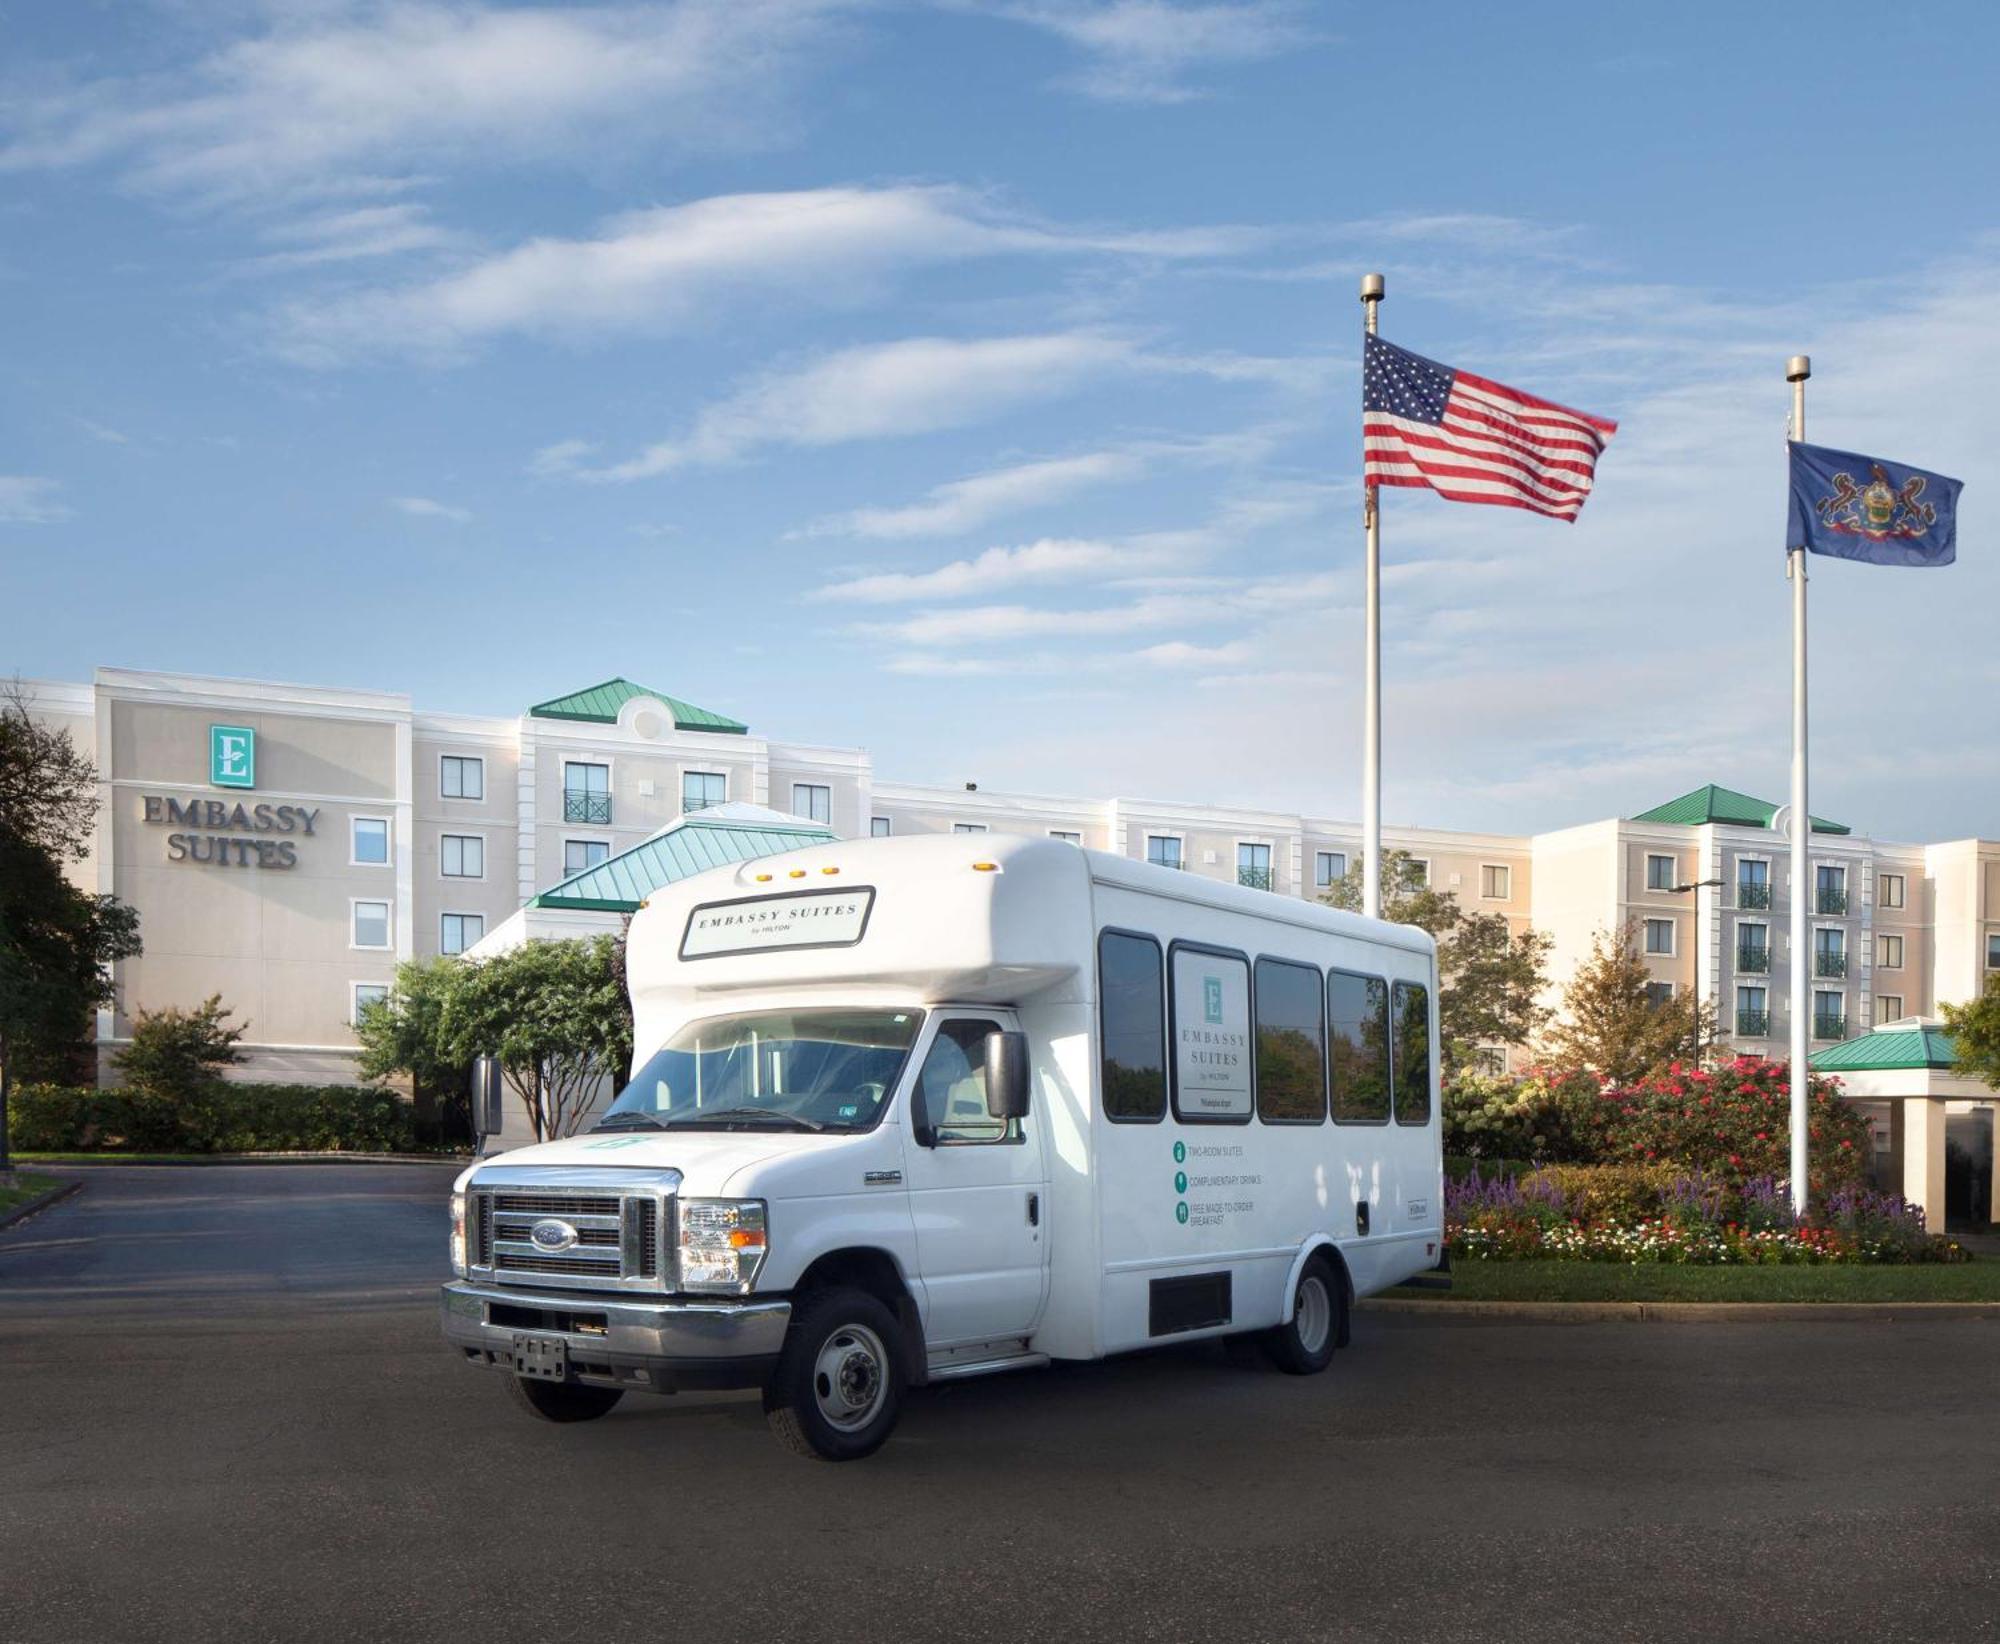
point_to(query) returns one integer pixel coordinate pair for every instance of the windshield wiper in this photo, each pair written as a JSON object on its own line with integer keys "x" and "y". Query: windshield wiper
{"x": 627, "y": 1121}
{"x": 770, "y": 1114}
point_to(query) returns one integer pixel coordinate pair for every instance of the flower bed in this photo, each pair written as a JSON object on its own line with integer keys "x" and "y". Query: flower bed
{"x": 1681, "y": 1218}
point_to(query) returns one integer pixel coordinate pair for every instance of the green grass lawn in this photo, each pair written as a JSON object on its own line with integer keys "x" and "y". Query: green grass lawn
{"x": 1977, "y": 1280}
{"x": 30, "y": 1187}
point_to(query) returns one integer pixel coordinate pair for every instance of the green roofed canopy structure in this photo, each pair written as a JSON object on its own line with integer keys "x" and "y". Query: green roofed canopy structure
{"x": 713, "y": 838}
{"x": 1901, "y": 1046}
{"x": 600, "y": 705}
{"x": 1714, "y": 804}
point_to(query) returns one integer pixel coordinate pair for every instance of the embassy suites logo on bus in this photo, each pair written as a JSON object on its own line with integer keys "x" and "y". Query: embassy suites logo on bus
{"x": 760, "y": 924}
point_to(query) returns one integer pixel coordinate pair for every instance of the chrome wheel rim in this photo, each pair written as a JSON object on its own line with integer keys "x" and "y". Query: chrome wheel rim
{"x": 1312, "y": 1314}
{"x": 851, "y": 1377}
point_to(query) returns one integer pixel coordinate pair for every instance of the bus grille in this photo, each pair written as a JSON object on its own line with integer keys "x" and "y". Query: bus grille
{"x": 617, "y": 1244}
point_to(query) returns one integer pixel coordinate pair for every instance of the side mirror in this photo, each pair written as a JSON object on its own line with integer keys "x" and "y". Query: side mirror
{"x": 486, "y": 1093}
{"x": 1007, "y": 1075}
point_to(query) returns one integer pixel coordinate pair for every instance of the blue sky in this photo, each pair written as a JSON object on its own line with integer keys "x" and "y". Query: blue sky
{"x": 976, "y": 381}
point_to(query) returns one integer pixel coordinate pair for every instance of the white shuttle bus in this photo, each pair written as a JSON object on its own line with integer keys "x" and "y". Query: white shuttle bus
{"x": 905, "y": 1110}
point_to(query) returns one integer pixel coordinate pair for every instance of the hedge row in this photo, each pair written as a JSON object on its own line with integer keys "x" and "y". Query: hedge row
{"x": 221, "y": 1118}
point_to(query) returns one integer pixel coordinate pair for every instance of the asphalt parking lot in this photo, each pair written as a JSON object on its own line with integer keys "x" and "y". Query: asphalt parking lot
{"x": 225, "y": 1413}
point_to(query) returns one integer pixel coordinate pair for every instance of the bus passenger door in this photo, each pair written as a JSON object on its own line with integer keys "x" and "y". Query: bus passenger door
{"x": 978, "y": 1192}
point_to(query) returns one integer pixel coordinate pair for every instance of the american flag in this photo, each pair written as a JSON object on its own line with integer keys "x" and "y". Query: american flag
{"x": 1472, "y": 440}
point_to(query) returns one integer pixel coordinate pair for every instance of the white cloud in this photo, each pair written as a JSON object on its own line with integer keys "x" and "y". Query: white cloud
{"x": 29, "y": 499}
{"x": 662, "y": 269}
{"x": 1146, "y": 51}
{"x": 426, "y": 508}
{"x": 963, "y": 505}
{"x": 1050, "y": 560}
{"x": 915, "y": 386}
{"x": 353, "y": 235}
{"x": 345, "y": 100}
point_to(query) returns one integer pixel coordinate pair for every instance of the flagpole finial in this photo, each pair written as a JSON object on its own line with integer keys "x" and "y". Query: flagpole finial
{"x": 1371, "y": 288}
{"x": 1798, "y": 368}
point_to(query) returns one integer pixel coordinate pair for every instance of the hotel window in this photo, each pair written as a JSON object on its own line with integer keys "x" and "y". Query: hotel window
{"x": 1660, "y": 873}
{"x": 1830, "y": 952}
{"x": 1993, "y": 950}
{"x": 878, "y": 827}
{"x": 1253, "y": 866}
{"x": 1329, "y": 868}
{"x": 1163, "y": 850}
{"x": 371, "y": 841}
{"x": 812, "y": 799}
{"x": 1889, "y": 952}
{"x": 1660, "y": 936}
{"x": 370, "y": 925}
{"x": 1830, "y": 884}
{"x": 1496, "y": 881}
{"x": 1753, "y": 947}
{"x": 1829, "y": 1016}
{"x": 462, "y": 856}
{"x": 458, "y": 931}
{"x": 460, "y": 776}
{"x": 701, "y": 789}
{"x": 581, "y": 855}
{"x": 1893, "y": 890}
{"x": 1659, "y": 994}
{"x": 1066, "y": 836}
{"x": 1888, "y": 1007}
{"x": 1417, "y": 870}
{"x": 1753, "y": 883}
{"x": 968, "y": 827}
{"x": 586, "y": 793}
{"x": 366, "y": 994}
{"x": 1753, "y": 1013}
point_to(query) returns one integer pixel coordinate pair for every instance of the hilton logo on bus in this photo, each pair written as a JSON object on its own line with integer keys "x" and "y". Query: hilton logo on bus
{"x": 232, "y": 756}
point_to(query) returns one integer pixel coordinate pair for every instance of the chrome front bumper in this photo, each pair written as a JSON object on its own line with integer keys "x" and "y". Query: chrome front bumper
{"x": 660, "y": 1346}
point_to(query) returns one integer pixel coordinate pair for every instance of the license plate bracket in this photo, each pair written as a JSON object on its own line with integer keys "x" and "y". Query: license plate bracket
{"x": 541, "y": 1358}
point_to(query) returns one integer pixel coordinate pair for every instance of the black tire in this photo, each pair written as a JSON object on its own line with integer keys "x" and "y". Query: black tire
{"x": 563, "y": 1400}
{"x": 838, "y": 1388}
{"x": 1304, "y": 1345}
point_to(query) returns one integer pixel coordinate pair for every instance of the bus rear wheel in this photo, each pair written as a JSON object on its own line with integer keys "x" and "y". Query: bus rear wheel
{"x": 1304, "y": 1344}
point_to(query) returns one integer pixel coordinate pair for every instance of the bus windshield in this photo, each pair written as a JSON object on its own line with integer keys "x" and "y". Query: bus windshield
{"x": 814, "y": 1069}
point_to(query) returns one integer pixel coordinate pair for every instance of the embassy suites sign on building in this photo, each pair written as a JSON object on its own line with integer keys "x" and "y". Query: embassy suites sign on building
{"x": 226, "y": 835}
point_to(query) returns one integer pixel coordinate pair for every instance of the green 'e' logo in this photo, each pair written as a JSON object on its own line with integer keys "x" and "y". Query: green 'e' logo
{"x": 232, "y": 756}
{"x": 1211, "y": 997}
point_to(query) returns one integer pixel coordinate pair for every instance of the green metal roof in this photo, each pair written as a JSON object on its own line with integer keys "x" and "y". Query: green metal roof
{"x": 1714, "y": 804}
{"x": 600, "y": 705}
{"x": 1887, "y": 1048}
{"x": 690, "y": 846}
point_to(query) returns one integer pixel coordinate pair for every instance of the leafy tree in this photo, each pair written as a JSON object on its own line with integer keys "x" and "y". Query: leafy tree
{"x": 408, "y": 1033}
{"x": 57, "y": 942}
{"x": 180, "y": 1053}
{"x": 1610, "y": 1025}
{"x": 1490, "y": 976}
{"x": 555, "y": 1015}
{"x": 1975, "y": 1034}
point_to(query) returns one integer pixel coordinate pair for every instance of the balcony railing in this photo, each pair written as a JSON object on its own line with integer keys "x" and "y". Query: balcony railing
{"x": 1829, "y": 1027}
{"x": 579, "y": 806}
{"x": 1753, "y": 960}
{"x": 1829, "y": 964}
{"x": 1831, "y": 901}
{"x": 1254, "y": 878}
{"x": 1753, "y": 896}
{"x": 1753, "y": 1024}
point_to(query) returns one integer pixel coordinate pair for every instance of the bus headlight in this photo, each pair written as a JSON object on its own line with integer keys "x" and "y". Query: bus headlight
{"x": 458, "y": 1234}
{"x": 722, "y": 1244}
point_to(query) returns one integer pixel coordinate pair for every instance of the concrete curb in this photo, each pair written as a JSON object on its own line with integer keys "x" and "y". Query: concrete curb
{"x": 1669, "y": 1312}
{"x": 205, "y": 1160}
{"x": 55, "y": 1195}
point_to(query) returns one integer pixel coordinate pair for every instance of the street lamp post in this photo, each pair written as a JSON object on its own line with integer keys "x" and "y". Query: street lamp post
{"x": 1694, "y": 925}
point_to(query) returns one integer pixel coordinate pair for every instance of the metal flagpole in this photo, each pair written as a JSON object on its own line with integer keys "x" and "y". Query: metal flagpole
{"x": 1371, "y": 690}
{"x": 1797, "y": 369}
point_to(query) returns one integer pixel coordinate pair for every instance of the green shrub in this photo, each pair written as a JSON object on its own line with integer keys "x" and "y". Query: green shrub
{"x": 1460, "y": 1166}
{"x": 1591, "y": 1192}
{"x": 213, "y": 1118}
{"x": 1549, "y": 1117}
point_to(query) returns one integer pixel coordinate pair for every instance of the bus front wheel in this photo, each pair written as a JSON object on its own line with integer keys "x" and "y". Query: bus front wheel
{"x": 1304, "y": 1344}
{"x": 838, "y": 1387}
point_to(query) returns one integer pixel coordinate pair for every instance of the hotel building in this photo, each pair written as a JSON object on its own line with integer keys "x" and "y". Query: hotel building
{"x": 287, "y": 845}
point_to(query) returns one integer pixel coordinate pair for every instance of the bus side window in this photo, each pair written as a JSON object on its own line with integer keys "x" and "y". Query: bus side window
{"x": 1291, "y": 1044}
{"x": 1357, "y": 1010}
{"x": 1413, "y": 1053}
{"x": 1132, "y": 1005}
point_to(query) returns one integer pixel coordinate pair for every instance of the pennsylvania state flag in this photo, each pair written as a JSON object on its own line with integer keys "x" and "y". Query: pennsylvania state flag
{"x": 1856, "y": 507}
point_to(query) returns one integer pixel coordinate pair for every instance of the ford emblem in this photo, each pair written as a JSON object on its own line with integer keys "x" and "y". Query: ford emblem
{"x": 551, "y": 1234}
